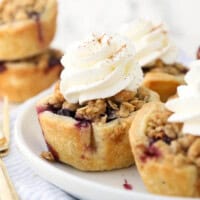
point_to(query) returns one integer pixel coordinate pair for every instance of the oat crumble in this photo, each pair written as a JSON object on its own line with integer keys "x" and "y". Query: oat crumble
{"x": 12, "y": 10}
{"x": 173, "y": 69}
{"x": 185, "y": 147}
{"x": 101, "y": 110}
{"x": 47, "y": 155}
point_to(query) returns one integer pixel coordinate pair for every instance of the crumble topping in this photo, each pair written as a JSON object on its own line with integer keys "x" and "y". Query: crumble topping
{"x": 173, "y": 69}
{"x": 92, "y": 111}
{"x": 47, "y": 155}
{"x": 169, "y": 136}
{"x": 100, "y": 110}
{"x": 11, "y": 10}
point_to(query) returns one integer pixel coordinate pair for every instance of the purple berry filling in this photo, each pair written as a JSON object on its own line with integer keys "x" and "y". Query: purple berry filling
{"x": 110, "y": 114}
{"x": 41, "y": 109}
{"x": 53, "y": 61}
{"x": 150, "y": 153}
{"x": 164, "y": 138}
{"x": 58, "y": 111}
{"x": 66, "y": 112}
{"x": 2, "y": 66}
{"x": 36, "y": 17}
{"x": 82, "y": 123}
{"x": 50, "y": 108}
{"x": 127, "y": 185}
{"x": 167, "y": 139}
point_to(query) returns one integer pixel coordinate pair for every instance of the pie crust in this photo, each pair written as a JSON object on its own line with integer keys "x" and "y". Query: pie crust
{"x": 167, "y": 160}
{"x": 23, "y": 79}
{"x": 26, "y": 27}
{"x": 91, "y": 143}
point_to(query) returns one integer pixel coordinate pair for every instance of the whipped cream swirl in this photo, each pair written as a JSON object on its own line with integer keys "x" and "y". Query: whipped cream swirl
{"x": 99, "y": 67}
{"x": 151, "y": 41}
{"x": 186, "y": 107}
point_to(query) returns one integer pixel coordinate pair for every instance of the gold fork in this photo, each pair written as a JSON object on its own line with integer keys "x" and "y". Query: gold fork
{"x": 7, "y": 190}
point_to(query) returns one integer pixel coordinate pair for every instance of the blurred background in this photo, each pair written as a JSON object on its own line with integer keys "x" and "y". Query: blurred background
{"x": 78, "y": 18}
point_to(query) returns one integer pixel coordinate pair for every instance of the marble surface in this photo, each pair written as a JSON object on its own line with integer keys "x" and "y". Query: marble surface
{"x": 81, "y": 17}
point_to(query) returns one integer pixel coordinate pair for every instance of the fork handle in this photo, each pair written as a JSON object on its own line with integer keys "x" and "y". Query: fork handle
{"x": 7, "y": 190}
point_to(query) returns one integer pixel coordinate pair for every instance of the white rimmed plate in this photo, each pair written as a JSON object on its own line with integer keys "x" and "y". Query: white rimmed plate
{"x": 84, "y": 185}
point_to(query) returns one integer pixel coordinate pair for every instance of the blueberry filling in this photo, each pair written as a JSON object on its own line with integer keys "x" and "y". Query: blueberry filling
{"x": 36, "y": 17}
{"x": 150, "y": 152}
{"x": 2, "y": 66}
{"x": 69, "y": 113}
{"x": 164, "y": 138}
{"x": 83, "y": 123}
{"x": 53, "y": 61}
{"x": 60, "y": 111}
{"x": 66, "y": 112}
{"x": 167, "y": 139}
{"x": 110, "y": 114}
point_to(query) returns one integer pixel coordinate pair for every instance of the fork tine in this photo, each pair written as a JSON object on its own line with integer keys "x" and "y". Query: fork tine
{"x": 5, "y": 132}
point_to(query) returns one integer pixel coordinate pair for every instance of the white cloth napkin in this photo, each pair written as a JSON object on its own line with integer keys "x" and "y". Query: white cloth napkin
{"x": 29, "y": 186}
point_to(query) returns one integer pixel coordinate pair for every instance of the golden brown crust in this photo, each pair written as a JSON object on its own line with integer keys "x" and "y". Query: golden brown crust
{"x": 24, "y": 37}
{"x": 162, "y": 83}
{"x": 164, "y": 78}
{"x": 91, "y": 148}
{"x": 24, "y": 79}
{"x": 88, "y": 146}
{"x": 16, "y": 10}
{"x": 164, "y": 171}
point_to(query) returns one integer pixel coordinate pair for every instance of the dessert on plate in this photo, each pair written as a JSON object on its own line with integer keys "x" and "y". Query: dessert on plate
{"x": 157, "y": 54}
{"x": 85, "y": 121}
{"x": 26, "y": 27}
{"x": 22, "y": 79}
{"x": 165, "y": 140}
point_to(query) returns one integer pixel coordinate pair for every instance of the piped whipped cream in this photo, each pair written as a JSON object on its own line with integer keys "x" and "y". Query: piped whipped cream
{"x": 99, "y": 67}
{"x": 151, "y": 41}
{"x": 186, "y": 107}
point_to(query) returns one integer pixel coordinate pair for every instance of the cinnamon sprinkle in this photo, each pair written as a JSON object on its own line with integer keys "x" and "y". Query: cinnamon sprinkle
{"x": 99, "y": 39}
{"x": 156, "y": 27}
{"x": 122, "y": 47}
{"x": 118, "y": 51}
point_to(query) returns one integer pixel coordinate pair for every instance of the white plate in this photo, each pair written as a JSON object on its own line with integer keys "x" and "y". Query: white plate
{"x": 90, "y": 185}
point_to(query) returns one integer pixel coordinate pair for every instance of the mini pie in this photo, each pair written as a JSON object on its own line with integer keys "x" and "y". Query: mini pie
{"x": 26, "y": 27}
{"x": 168, "y": 160}
{"x": 22, "y": 79}
{"x": 92, "y": 136}
{"x": 157, "y": 54}
{"x": 164, "y": 78}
